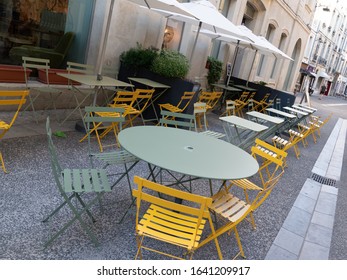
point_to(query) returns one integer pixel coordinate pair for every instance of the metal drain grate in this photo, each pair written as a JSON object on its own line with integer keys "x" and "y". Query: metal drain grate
{"x": 323, "y": 180}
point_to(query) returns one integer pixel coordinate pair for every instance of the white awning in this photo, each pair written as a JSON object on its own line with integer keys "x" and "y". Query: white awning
{"x": 323, "y": 74}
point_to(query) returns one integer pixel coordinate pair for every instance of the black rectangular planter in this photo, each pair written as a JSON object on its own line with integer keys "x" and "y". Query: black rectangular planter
{"x": 171, "y": 95}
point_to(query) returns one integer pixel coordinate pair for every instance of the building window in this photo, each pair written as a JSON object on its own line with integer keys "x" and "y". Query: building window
{"x": 281, "y": 46}
{"x": 249, "y": 15}
{"x": 269, "y": 34}
{"x": 31, "y": 22}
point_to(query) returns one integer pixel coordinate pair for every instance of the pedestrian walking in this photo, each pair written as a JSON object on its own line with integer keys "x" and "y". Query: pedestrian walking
{"x": 322, "y": 91}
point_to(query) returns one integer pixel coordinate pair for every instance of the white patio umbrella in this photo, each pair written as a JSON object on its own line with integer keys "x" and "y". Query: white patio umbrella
{"x": 211, "y": 19}
{"x": 263, "y": 45}
{"x": 205, "y": 16}
{"x": 167, "y": 5}
{"x": 259, "y": 44}
{"x": 170, "y": 6}
{"x": 231, "y": 40}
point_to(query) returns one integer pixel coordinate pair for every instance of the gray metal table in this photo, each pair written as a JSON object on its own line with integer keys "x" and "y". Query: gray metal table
{"x": 252, "y": 129}
{"x": 281, "y": 113}
{"x": 245, "y": 88}
{"x": 301, "y": 115}
{"x": 92, "y": 81}
{"x": 226, "y": 89}
{"x": 305, "y": 109}
{"x": 291, "y": 119}
{"x": 188, "y": 152}
{"x": 275, "y": 123}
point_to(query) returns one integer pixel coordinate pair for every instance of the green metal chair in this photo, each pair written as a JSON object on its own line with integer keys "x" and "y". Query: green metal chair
{"x": 72, "y": 184}
{"x": 53, "y": 93}
{"x": 178, "y": 120}
{"x": 200, "y": 108}
{"x": 95, "y": 120}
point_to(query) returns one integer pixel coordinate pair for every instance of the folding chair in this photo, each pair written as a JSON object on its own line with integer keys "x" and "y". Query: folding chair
{"x": 184, "y": 102}
{"x": 178, "y": 120}
{"x": 234, "y": 210}
{"x": 242, "y": 102}
{"x": 286, "y": 144}
{"x": 169, "y": 222}
{"x": 305, "y": 130}
{"x": 230, "y": 108}
{"x": 133, "y": 103}
{"x": 260, "y": 105}
{"x": 143, "y": 98}
{"x": 118, "y": 159}
{"x": 200, "y": 109}
{"x": 124, "y": 100}
{"x": 10, "y": 98}
{"x": 72, "y": 184}
{"x": 83, "y": 69}
{"x": 319, "y": 123}
{"x": 210, "y": 98}
{"x": 39, "y": 64}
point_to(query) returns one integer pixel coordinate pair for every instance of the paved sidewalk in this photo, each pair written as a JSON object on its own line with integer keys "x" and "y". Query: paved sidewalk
{"x": 307, "y": 231}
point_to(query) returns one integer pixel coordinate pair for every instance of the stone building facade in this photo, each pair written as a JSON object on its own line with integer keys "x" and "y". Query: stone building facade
{"x": 286, "y": 24}
{"x": 325, "y": 53}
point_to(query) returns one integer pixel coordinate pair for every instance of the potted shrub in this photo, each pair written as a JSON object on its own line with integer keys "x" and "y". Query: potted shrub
{"x": 170, "y": 64}
{"x": 138, "y": 58}
{"x": 166, "y": 66}
{"x": 215, "y": 68}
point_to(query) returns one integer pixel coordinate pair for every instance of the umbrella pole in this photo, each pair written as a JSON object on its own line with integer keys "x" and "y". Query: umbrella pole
{"x": 196, "y": 40}
{"x": 234, "y": 61}
{"x": 103, "y": 49}
{"x": 250, "y": 71}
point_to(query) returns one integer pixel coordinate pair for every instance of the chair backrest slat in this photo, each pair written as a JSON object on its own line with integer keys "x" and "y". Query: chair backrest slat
{"x": 56, "y": 168}
{"x": 8, "y": 98}
{"x": 200, "y": 209}
{"x": 74, "y": 67}
{"x": 180, "y": 120}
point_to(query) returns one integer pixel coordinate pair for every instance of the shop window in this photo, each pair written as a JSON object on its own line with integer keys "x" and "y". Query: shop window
{"x": 31, "y": 22}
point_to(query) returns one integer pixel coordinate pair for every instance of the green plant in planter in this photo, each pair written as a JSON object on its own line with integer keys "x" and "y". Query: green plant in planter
{"x": 214, "y": 71}
{"x": 138, "y": 57}
{"x": 170, "y": 64}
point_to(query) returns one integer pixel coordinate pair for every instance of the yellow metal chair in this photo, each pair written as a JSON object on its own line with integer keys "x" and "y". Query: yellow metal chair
{"x": 286, "y": 144}
{"x": 124, "y": 100}
{"x": 242, "y": 102}
{"x": 306, "y": 130}
{"x": 143, "y": 99}
{"x": 260, "y": 105}
{"x": 210, "y": 98}
{"x": 318, "y": 123}
{"x": 232, "y": 209}
{"x": 15, "y": 98}
{"x": 184, "y": 102}
{"x": 168, "y": 221}
{"x": 133, "y": 103}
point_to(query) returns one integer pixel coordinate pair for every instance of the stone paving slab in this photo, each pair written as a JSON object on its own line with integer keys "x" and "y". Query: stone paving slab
{"x": 306, "y": 233}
